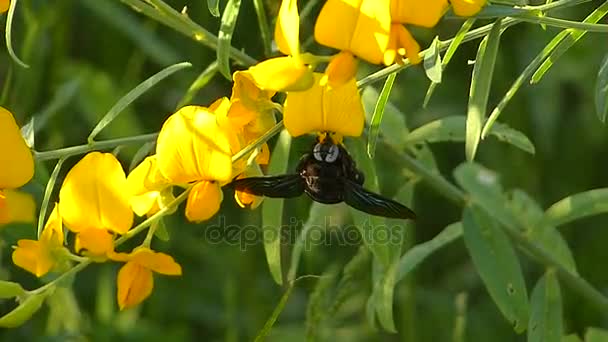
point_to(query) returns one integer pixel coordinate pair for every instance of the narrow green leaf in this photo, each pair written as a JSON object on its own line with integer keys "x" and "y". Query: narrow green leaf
{"x": 546, "y": 310}
{"x": 8, "y": 33}
{"x": 497, "y": 265}
{"x": 393, "y": 126}
{"x": 452, "y": 128}
{"x": 133, "y": 95}
{"x": 141, "y": 154}
{"x": 373, "y": 229}
{"x": 265, "y": 35}
{"x": 214, "y": 7}
{"x": 567, "y": 41}
{"x": 529, "y": 215}
{"x": 432, "y": 62}
{"x": 596, "y": 335}
{"x": 417, "y": 254}
{"x": 374, "y": 129}
{"x": 384, "y": 299}
{"x": 480, "y": 89}
{"x": 274, "y": 316}
{"x": 24, "y": 311}
{"x": 9, "y": 289}
{"x": 318, "y": 302}
{"x": 272, "y": 209}
{"x": 577, "y": 206}
{"x": 355, "y": 272}
{"x": 231, "y": 12}
{"x": 524, "y": 76}
{"x": 601, "y": 91}
{"x": 456, "y": 41}
{"x": 160, "y": 231}
{"x": 201, "y": 81}
{"x": 47, "y": 196}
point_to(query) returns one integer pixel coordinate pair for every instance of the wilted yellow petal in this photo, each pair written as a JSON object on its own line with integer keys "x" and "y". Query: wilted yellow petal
{"x": 33, "y": 257}
{"x": 16, "y": 206}
{"x": 192, "y": 146}
{"x": 341, "y": 69}
{"x": 94, "y": 195}
{"x": 4, "y": 5}
{"x": 156, "y": 261}
{"x": 287, "y": 29}
{"x": 203, "y": 201}
{"x": 325, "y": 108}
{"x": 134, "y": 283}
{"x": 16, "y": 158}
{"x": 467, "y": 8}
{"x": 281, "y": 74}
{"x": 421, "y": 13}
{"x": 359, "y": 26}
{"x": 97, "y": 242}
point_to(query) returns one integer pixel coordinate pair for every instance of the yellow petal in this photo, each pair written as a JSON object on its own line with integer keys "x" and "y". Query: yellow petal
{"x": 325, "y": 108}
{"x": 16, "y": 158}
{"x": 282, "y": 74}
{"x": 134, "y": 283}
{"x": 156, "y": 261}
{"x": 16, "y": 206}
{"x": 341, "y": 69}
{"x": 203, "y": 201}
{"x": 191, "y": 146}
{"x": 467, "y": 8}
{"x": 243, "y": 199}
{"x": 359, "y": 26}
{"x": 411, "y": 46}
{"x": 53, "y": 228}
{"x": 93, "y": 195}
{"x": 97, "y": 242}
{"x": 287, "y": 29}
{"x": 146, "y": 204}
{"x": 263, "y": 156}
{"x": 145, "y": 178}
{"x": 4, "y": 5}
{"x": 32, "y": 256}
{"x": 420, "y": 13}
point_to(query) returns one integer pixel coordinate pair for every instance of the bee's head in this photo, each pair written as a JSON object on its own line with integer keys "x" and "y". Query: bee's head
{"x": 326, "y": 149}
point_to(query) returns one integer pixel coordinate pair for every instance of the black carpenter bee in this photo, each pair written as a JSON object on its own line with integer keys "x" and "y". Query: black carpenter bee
{"x": 329, "y": 175}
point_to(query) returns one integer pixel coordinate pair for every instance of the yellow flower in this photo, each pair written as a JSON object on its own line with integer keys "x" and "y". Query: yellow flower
{"x": 203, "y": 201}
{"x": 467, "y": 8}
{"x": 98, "y": 243}
{"x": 145, "y": 184}
{"x": 282, "y": 74}
{"x": 401, "y": 44}
{"x": 419, "y": 13}
{"x": 325, "y": 108}
{"x": 359, "y": 26}
{"x": 341, "y": 69}
{"x": 93, "y": 195}
{"x": 4, "y": 5}
{"x": 287, "y": 29}
{"x": 17, "y": 169}
{"x": 135, "y": 281}
{"x": 39, "y": 257}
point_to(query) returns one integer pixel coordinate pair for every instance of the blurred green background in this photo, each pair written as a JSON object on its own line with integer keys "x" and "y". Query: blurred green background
{"x": 85, "y": 55}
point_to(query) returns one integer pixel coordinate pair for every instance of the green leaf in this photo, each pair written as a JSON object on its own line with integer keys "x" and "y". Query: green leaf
{"x": 160, "y": 231}
{"x": 393, "y": 126}
{"x": 480, "y": 89}
{"x": 432, "y": 62}
{"x": 47, "y": 196}
{"x": 24, "y": 311}
{"x": 227, "y": 26}
{"x": 571, "y": 338}
{"x": 567, "y": 41}
{"x": 373, "y": 229}
{"x": 384, "y": 298}
{"x": 497, "y": 265}
{"x": 546, "y": 310}
{"x": 8, "y": 33}
{"x": 133, "y": 95}
{"x": 577, "y": 206}
{"x": 452, "y": 128}
{"x": 274, "y": 316}
{"x": 214, "y": 7}
{"x": 456, "y": 41}
{"x": 374, "y": 129}
{"x": 272, "y": 208}
{"x": 141, "y": 154}
{"x": 601, "y": 91}
{"x": 318, "y": 302}
{"x": 530, "y": 218}
{"x": 201, "y": 81}
{"x": 265, "y": 35}
{"x": 596, "y": 335}
{"x": 9, "y": 289}
{"x": 417, "y": 254}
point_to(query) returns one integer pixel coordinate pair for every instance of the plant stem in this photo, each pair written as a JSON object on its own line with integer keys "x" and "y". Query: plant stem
{"x": 98, "y": 145}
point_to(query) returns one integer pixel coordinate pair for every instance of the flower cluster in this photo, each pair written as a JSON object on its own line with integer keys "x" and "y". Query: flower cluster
{"x": 197, "y": 145}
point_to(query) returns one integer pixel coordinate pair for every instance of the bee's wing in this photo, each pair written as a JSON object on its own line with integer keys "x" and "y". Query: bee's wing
{"x": 359, "y": 198}
{"x": 275, "y": 186}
